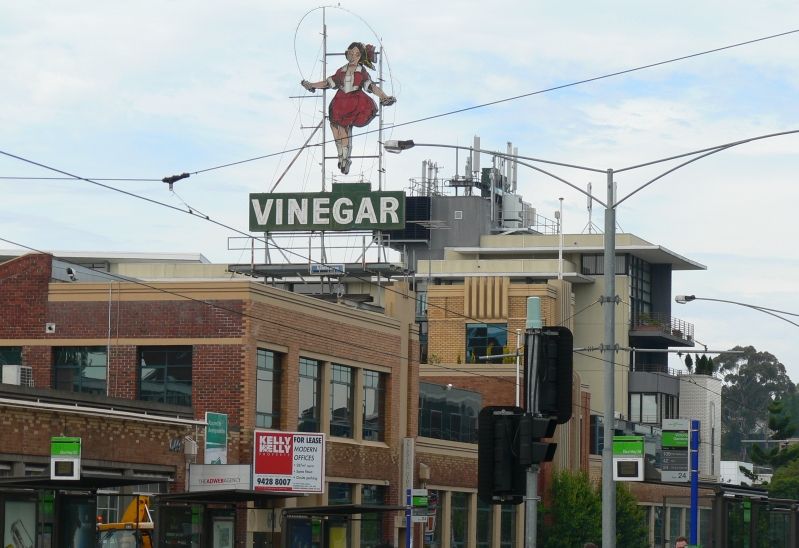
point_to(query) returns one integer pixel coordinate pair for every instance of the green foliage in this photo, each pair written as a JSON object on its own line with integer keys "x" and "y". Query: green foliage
{"x": 785, "y": 482}
{"x": 575, "y": 515}
{"x": 752, "y": 380}
{"x": 631, "y": 527}
{"x": 704, "y": 365}
{"x": 782, "y": 427}
{"x": 689, "y": 363}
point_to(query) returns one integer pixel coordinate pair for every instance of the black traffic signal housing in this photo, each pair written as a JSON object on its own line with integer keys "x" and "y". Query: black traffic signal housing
{"x": 532, "y": 430}
{"x": 500, "y": 475}
{"x": 555, "y": 365}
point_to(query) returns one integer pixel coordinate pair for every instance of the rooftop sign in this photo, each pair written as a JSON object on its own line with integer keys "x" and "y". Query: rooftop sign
{"x": 350, "y": 206}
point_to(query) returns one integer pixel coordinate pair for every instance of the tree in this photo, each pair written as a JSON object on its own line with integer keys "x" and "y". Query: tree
{"x": 631, "y": 527}
{"x": 689, "y": 363}
{"x": 785, "y": 482}
{"x": 752, "y": 380}
{"x": 575, "y": 514}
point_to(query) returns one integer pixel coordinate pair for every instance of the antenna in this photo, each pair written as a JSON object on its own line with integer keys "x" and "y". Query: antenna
{"x": 590, "y": 227}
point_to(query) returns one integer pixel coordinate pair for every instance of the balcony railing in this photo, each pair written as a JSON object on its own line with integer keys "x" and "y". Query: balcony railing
{"x": 663, "y": 324}
{"x": 656, "y": 368}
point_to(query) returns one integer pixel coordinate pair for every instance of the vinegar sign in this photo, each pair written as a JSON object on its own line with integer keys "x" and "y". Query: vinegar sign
{"x": 289, "y": 462}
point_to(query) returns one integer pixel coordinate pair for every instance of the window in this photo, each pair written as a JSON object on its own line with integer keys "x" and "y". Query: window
{"x": 341, "y": 397}
{"x": 485, "y": 514}
{"x": 507, "y": 537}
{"x": 339, "y": 493}
{"x": 373, "y": 405}
{"x": 165, "y": 374}
{"x": 267, "y": 391}
{"x": 448, "y": 413}
{"x": 644, "y": 408}
{"x": 10, "y": 355}
{"x": 485, "y": 339}
{"x": 80, "y": 368}
{"x": 372, "y": 524}
{"x": 309, "y": 393}
{"x": 594, "y": 265}
{"x": 459, "y": 518}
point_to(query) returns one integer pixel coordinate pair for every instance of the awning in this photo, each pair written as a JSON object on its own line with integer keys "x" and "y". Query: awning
{"x": 87, "y": 482}
{"x": 227, "y": 496}
{"x": 341, "y": 509}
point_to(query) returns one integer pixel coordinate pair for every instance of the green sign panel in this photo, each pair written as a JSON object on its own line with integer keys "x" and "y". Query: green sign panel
{"x": 216, "y": 438}
{"x": 64, "y": 447}
{"x": 351, "y": 206}
{"x": 675, "y": 439}
{"x": 628, "y": 446}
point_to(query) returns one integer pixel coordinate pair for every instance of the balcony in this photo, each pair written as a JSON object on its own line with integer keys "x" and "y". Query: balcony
{"x": 673, "y": 331}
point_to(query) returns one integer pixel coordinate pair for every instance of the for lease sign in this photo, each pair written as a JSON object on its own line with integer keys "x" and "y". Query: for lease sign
{"x": 291, "y": 462}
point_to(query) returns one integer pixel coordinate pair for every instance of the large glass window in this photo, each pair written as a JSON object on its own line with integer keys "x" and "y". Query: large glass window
{"x": 507, "y": 537}
{"x": 448, "y": 413}
{"x": 373, "y": 405}
{"x": 485, "y": 339}
{"x": 594, "y": 265}
{"x": 644, "y": 408}
{"x": 267, "y": 391}
{"x": 459, "y": 518}
{"x": 165, "y": 374}
{"x": 675, "y": 523}
{"x": 10, "y": 355}
{"x": 310, "y": 393}
{"x": 485, "y": 514}
{"x": 372, "y": 524}
{"x": 341, "y": 396}
{"x": 80, "y": 368}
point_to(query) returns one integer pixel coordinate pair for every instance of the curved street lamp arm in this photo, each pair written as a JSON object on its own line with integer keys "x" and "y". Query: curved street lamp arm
{"x": 725, "y": 145}
{"x": 769, "y": 311}
{"x": 707, "y": 152}
{"x": 675, "y": 168}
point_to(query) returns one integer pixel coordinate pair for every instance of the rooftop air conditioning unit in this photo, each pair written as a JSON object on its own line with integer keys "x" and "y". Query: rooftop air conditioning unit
{"x": 20, "y": 375}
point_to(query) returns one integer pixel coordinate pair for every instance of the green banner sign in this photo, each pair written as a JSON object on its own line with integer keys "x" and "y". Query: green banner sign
{"x": 351, "y": 206}
{"x": 216, "y": 438}
{"x": 675, "y": 439}
{"x": 64, "y": 447}
{"x": 628, "y": 446}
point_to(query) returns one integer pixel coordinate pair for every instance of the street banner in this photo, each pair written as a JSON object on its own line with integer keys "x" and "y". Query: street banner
{"x": 215, "y": 438}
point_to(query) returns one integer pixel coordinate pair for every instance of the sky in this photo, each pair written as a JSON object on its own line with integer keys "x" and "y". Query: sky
{"x": 144, "y": 90}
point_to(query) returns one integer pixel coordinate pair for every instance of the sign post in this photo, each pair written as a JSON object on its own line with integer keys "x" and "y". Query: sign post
{"x": 694, "y": 481}
{"x": 65, "y": 458}
{"x": 674, "y": 442}
{"x": 628, "y": 458}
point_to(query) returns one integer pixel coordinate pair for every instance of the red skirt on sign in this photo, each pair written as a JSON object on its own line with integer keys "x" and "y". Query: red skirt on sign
{"x": 352, "y": 109}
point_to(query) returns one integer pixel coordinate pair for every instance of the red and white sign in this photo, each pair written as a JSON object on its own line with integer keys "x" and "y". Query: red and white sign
{"x": 289, "y": 462}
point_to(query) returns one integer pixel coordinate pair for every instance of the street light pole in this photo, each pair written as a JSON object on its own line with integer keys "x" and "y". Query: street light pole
{"x": 609, "y": 301}
{"x": 609, "y": 298}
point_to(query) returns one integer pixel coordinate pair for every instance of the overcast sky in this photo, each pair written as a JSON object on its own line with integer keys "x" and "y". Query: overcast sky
{"x": 149, "y": 89}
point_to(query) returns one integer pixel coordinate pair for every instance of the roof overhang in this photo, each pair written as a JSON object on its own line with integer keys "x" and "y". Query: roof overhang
{"x": 341, "y": 510}
{"x": 654, "y": 254}
{"x": 227, "y": 496}
{"x": 87, "y": 482}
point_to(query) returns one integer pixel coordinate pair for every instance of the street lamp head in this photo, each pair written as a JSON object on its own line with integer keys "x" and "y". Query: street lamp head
{"x": 395, "y": 147}
{"x": 682, "y": 299}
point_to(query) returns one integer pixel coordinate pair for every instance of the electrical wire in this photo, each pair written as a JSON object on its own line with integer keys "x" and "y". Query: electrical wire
{"x": 525, "y": 95}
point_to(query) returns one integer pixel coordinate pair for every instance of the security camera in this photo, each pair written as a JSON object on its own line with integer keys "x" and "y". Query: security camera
{"x": 71, "y": 273}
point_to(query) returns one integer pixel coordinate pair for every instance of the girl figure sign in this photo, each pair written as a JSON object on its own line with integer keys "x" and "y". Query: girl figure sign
{"x": 351, "y": 106}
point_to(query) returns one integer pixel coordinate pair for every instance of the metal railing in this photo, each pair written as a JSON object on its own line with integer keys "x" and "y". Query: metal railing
{"x": 663, "y": 323}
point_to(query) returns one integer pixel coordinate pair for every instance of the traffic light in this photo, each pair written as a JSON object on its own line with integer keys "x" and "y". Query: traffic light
{"x": 500, "y": 475}
{"x": 554, "y": 364}
{"x": 531, "y": 430}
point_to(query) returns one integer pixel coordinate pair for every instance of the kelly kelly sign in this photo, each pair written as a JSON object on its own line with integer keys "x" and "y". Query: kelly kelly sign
{"x": 289, "y": 462}
{"x": 350, "y": 206}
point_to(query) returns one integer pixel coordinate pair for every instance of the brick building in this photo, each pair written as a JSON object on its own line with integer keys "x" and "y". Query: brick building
{"x": 132, "y": 368}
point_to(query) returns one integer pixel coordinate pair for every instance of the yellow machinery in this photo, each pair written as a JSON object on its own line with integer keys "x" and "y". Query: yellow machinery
{"x": 134, "y": 530}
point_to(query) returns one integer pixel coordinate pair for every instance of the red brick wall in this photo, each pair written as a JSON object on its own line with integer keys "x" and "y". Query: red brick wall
{"x": 23, "y": 296}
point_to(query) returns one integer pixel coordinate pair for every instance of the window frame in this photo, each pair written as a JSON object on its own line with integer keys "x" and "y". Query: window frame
{"x": 342, "y": 378}
{"x": 263, "y": 367}
{"x": 479, "y": 345}
{"x": 74, "y": 374}
{"x": 174, "y": 351}
{"x": 377, "y": 390}
{"x": 314, "y": 422}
